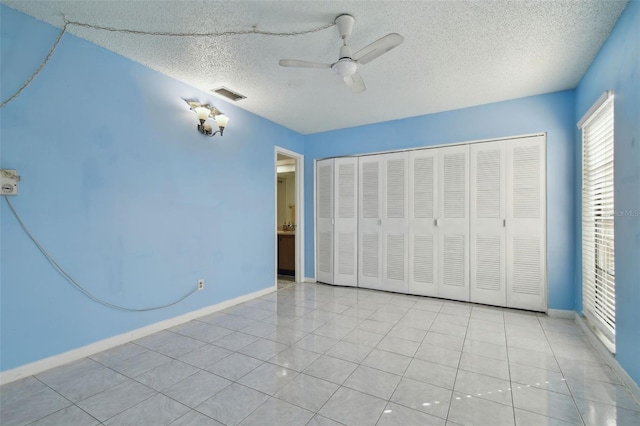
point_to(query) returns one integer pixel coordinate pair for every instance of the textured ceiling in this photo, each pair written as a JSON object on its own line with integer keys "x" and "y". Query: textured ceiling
{"x": 455, "y": 54}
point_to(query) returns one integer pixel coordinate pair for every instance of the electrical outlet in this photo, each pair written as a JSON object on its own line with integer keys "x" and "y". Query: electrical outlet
{"x": 9, "y": 182}
{"x": 200, "y": 284}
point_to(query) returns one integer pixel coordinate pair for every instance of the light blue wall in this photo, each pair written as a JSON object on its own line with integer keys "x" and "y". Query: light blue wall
{"x": 125, "y": 194}
{"x": 617, "y": 67}
{"x": 123, "y": 191}
{"x": 551, "y": 113}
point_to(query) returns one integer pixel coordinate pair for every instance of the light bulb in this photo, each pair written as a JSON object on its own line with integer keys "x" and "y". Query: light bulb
{"x": 345, "y": 67}
{"x": 202, "y": 113}
{"x": 221, "y": 120}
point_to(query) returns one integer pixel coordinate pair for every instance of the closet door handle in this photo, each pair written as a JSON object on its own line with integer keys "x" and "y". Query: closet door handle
{"x": 504, "y": 223}
{"x": 437, "y": 222}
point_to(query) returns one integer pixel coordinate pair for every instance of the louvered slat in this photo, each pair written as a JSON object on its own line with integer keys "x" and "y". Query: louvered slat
{"x": 489, "y": 184}
{"x": 453, "y": 260}
{"x": 370, "y": 184}
{"x": 454, "y": 186}
{"x": 346, "y": 191}
{"x": 598, "y": 215}
{"x": 324, "y": 220}
{"x": 423, "y": 259}
{"x": 526, "y": 266}
{"x": 453, "y": 229}
{"x": 525, "y": 224}
{"x": 325, "y": 251}
{"x": 395, "y": 188}
{"x": 489, "y": 266}
{"x": 423, "y": 187}
{"x": 346, "y": 253}
{"x": 422, "y": 268}
{"x": 325, "y": 193}
{"x": 395, "y": 256}
{"x": 526, "y": 178}
{"x": 370, "y": 255}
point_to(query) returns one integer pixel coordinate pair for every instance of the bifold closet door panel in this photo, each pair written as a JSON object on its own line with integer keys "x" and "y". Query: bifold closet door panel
{"x": 464, "y": 222}
{"x": 345, "y": 259}
{"x": 370, "y": 221}
{"x": 487, "y": 223}
{"x": 324, "y": 220}
{"x": 526, "y": 224}
{"x": 453, "y": 223}
{"x": 423, "y": 240}
{"x": 394, "y": 222}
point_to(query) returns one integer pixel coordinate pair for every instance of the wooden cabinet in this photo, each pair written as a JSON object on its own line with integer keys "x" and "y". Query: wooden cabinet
{"x": 286, "y": 254}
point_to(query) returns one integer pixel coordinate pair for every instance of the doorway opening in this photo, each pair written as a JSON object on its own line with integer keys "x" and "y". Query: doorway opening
{"x": 289, "y": 201}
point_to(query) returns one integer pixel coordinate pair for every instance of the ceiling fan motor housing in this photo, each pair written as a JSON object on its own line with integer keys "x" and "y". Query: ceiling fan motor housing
{"x": 346, "y": 66}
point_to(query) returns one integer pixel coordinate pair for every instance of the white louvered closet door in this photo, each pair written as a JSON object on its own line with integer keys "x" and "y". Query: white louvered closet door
{"x": 487, "y": 223}
{"x": 453, "y": 223}
{"x": 395, "y": 223}
{"x": 345, "y": 259}
{"x": 423, "y": 198}
{"x": 369, "y": 221}
{"x": 324, "y": 220}
{"x": 526, "y": 224}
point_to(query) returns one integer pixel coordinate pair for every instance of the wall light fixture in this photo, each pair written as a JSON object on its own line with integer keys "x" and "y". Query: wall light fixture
{"x": 204, "y": 112}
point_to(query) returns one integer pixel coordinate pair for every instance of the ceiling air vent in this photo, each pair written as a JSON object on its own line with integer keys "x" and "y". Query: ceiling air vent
{"x": 223, "y": 91}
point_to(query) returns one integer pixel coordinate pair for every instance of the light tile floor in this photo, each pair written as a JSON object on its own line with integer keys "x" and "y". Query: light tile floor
{"x": 312, "y": 354}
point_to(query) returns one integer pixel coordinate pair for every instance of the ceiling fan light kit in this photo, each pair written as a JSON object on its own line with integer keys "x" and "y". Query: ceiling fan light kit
{"x": 347, "y": 64}
{"x": 345, "y": 68}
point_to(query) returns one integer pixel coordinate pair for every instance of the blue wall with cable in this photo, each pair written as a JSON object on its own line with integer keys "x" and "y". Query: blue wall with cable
{"x": 124, "y": 193}
{"x": 136, "y": 205}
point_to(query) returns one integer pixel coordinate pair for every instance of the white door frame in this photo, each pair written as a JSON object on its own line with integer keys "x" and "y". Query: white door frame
{"x": 299, "y": 182}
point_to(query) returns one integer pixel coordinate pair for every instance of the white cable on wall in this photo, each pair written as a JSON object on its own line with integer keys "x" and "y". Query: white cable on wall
{"x": 74, "y": 283}
{"x": 254, "y": 30}
{"x": 37, "y": 71}
{"x": 52, "y": 261}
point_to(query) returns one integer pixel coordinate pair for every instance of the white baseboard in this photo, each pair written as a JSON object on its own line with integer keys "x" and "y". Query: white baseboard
{"x": 561, "y": 313}
{"x": 309, "y": 280}
{"x": 607, "y": 356}
{"x": 111, "y": 342}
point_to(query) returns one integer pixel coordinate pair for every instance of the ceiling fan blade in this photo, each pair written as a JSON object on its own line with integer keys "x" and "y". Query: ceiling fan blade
{"x": 302, "y": 64}
{"x": 377, "y": 48}
{"x": 355, "y": 83}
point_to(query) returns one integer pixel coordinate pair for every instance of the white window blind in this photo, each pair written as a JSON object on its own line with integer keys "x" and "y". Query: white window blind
{"x": 598, "y": 261}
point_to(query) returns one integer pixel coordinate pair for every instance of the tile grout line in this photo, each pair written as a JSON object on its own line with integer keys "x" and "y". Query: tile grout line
{"x": 63, "y": 408}
{"x": 299, "y": 304}
{"x": 334, "y": 392}
{"x": 236, "y": 382}
{"x": 341, "y": 385}
{"x": 455, "y": 379}
{"x": 405, "y": 370}
{"x": 506, "y": 345}
{"x": 562, "y": 373}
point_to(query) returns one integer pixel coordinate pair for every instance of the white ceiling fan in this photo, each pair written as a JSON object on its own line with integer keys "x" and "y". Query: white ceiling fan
{"x": 348, "y": 64}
